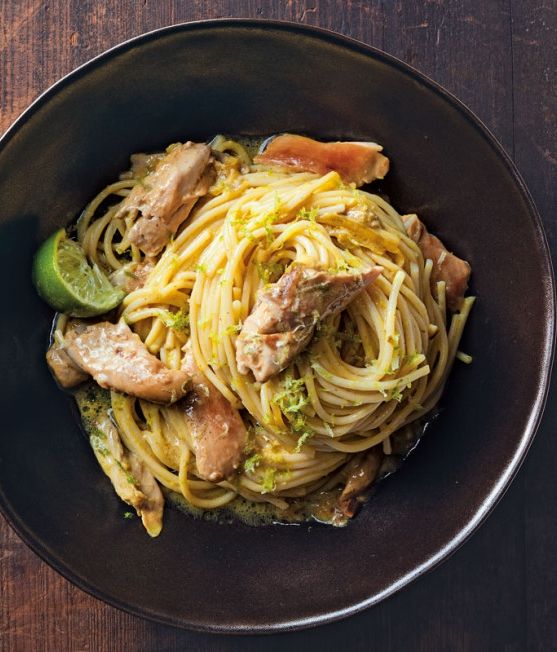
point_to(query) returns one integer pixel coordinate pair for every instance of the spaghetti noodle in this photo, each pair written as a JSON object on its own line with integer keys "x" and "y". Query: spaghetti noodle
{"x": 376, "y": 367}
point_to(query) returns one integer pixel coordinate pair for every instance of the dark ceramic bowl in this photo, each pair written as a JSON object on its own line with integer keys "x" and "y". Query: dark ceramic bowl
{"x": 192, "y": 81}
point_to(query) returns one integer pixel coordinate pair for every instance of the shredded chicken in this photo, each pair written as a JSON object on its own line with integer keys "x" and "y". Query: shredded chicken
{"x": 132, "y": 276}
{"x": 447, "y": 267}
{"x": 360, "y": 473}
{"x": 218, "y": 431}
{"x": 282, "y": 321}
{"x": 356, "y": 162}
{"x": 66, "y": 372}
{"x": 142, "y": 165}
{"x": 164, "y": 198}
{"x": 131, "y": 479}
{"x": 117, "y": 359}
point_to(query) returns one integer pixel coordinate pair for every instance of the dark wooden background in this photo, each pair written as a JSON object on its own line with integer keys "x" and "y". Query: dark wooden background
{"x": 499, "y": 592}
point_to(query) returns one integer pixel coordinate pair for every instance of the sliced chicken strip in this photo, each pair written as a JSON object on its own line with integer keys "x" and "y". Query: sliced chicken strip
{"x": 356, "y": 162}
{"x": 66, "y": 372}
{"x": 218, "y": 431}
{"x": 117, "y": 359}
{"x": 132, "y": 276}
{"x": 165, "y": 197}
{"x": 142, "y": 164}
{"x": 447, "y": 267}
{"x": 282, "y": 321}
{"x": 360, "y": 473}
{"x": 131, "y": 479}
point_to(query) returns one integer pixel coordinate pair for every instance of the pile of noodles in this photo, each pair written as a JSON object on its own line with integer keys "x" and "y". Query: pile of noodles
{"x": 369, "y": 371}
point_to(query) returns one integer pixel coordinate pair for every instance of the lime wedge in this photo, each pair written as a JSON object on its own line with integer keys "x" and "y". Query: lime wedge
{"x": 66, "y": 281}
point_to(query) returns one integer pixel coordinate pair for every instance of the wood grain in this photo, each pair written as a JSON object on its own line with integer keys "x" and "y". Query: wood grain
{"x": 535, "y": 152}
{"x": 499, "y": 592}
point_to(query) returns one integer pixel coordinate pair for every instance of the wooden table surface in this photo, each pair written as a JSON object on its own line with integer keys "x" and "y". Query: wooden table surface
{"x": 499, "y": 592}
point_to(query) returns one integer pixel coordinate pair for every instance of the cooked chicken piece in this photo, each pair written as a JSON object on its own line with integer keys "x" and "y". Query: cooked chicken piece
{"x": 360, "y": 473}
{"x": 356, "y": 162}
{"x": 165, "y": 197}
{"x": 283, "y": 319}
{"x": 446, "y": 266}
{"x": 117, "y": 359}
{"x": 218, "y": 431}
{"x": 142, "y": 165}
{"x": 132, "y": 276}
{"x": 62, "y": 366}
{"x": 131, "y": 479}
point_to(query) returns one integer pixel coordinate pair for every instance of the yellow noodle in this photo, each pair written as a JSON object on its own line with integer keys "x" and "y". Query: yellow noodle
{"x": 255, "y": 222}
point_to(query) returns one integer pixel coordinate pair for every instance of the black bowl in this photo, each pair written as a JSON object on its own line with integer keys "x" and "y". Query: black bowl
{"x": 254, "y": 77}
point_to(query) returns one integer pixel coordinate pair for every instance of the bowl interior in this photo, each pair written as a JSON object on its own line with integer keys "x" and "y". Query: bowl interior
{"x": 191, "y": 82}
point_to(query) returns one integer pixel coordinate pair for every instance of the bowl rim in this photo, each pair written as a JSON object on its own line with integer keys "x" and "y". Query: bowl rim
{"x": 548, "y": 351}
